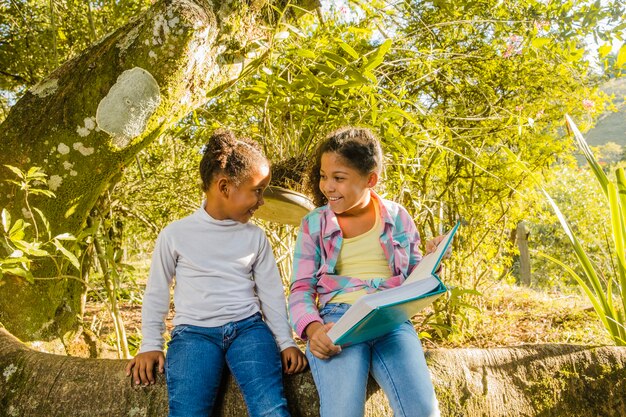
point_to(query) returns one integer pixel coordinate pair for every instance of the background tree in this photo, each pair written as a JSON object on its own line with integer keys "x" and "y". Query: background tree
{"x": 36, "y": 36}
{"x": 450, "y": 89}
{"x": 88, "y": 119}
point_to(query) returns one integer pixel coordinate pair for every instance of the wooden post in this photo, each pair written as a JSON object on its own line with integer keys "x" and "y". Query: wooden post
{"x": 524, "y": 255}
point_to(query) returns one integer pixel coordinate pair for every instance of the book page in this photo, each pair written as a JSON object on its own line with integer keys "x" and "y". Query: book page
{"x": 404, "y": 292}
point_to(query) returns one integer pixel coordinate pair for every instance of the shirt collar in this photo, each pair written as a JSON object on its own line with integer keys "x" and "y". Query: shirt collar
{"x": 332, "y": 225}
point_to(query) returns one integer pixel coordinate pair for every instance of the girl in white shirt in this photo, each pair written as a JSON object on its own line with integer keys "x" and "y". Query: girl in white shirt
{"x": 228, "y": 297}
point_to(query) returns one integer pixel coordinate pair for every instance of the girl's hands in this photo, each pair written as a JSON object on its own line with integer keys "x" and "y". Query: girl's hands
{"x": 320, "y": 344}
{"x": 293, "y": 360}
{"x": 142, "y": 367}
{"x": 431, "y": 246}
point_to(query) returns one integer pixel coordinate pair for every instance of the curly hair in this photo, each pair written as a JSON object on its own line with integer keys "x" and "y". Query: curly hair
{"x": 358, "y": 147}
{"x": 227, "y": 155}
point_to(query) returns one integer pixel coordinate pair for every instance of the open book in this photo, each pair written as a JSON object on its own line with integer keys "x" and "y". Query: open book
{"x": 378, "y": 313}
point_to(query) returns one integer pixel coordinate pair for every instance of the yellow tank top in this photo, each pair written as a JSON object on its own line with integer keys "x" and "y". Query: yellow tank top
{"x": 362, "y": 257}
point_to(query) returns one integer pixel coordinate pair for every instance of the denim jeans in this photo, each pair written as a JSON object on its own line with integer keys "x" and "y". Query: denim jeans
{"x": 196, "y": 357}
{"x": 395, "y": 360}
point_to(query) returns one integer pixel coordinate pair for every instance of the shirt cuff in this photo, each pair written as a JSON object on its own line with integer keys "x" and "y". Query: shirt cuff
{"x": 305, "y": 321}
{"x": 287, "y": 344}
{"x": 149, "y": 348}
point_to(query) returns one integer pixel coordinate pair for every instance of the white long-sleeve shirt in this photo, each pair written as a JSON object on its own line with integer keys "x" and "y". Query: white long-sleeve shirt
{"x": 225, "y": 271}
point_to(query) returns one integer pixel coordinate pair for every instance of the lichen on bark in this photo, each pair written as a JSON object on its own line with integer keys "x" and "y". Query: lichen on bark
{"x": 124, "y": 112}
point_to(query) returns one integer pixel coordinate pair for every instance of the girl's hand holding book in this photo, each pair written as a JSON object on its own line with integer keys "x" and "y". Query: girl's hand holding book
{"x": 431, "y": 246}
{"x": 320, "y": 344}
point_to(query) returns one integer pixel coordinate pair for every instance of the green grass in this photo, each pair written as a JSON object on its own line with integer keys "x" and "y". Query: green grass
{"x": 511, "y": 315}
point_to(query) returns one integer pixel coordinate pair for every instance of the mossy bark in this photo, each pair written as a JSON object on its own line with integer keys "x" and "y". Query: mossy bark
{"x": 532, "y": 380}
{"x": 89, "y": 118}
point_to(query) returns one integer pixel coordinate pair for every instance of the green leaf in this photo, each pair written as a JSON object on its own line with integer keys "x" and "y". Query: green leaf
{"x": 377, "y": 57}
{"x": 17, "y": 230}
{"x": 621, "y": 209}
{"x": 337, "y": 82}
{"x": 69, "y": 255}
{"x": 621, "y": 57}
{"x": 357, "y": 76}
{"x": 280, "y": 36}
{"x": 604, "y": 50}
{"x": 38, "y": 191}
{"x": 370, "y": 76}
{"x": 295, "y": 30}
{"x": 20, "y": 273}
{"x": 35, "y": 173}
{"x": 31, "y": 249}
{"x": 13, "y": 261}
{"x": 349, "y": 50}
{"x": 306, "y": 53}
{"x": 404, "y": 114}
{"x": 65, "y": 236}
{"x": 324, "y": 68}
{"x": 582, "y": 145}
{"x": 373, "y": 108}
{"x": 539, "y": 42}
{"x": 336, "y": 58}
{"x": 617, "y": 226}
{"x": 17, "y": 171}
{"x": 44, "y": 220}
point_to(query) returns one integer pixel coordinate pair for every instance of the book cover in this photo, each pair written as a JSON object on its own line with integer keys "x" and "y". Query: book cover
{"x": 375, "y": 314}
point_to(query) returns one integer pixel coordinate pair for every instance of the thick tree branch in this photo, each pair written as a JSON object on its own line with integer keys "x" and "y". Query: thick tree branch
{"x": 532, "y": 380}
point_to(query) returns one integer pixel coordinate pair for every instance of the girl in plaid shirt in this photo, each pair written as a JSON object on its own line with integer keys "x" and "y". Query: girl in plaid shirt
{"x": 356, "y": 243}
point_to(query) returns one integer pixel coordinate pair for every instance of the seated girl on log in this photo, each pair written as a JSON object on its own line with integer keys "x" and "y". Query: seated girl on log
{"x": 356, "y": 243}
{"x": 229, "y": 300}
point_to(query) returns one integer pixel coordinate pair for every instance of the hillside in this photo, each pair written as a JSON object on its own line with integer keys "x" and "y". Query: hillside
{"x": 611, "y": 127}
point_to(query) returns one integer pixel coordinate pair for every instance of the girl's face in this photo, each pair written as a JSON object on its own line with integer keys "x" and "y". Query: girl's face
{"x": 243, "y": 200}
{"x": 346, "y": 188}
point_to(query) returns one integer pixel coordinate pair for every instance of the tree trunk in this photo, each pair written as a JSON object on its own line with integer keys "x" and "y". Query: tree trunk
{"x": 531, "y": 380}
{"x": 90, "y": 117}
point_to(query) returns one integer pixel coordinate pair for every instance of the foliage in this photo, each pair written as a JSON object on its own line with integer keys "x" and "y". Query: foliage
{"x": 606, "y": 289}
{"x": 36, "y": 36}
{"x": 20, "y": 248}
{"x": 446, "y": 86}
{"x": 578, "y": 194}
{"x": 513, "y": 315}
{"x": 614, "y": 63}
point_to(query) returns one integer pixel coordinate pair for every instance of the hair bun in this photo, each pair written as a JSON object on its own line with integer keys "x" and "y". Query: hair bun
{"x": 221, "y": 145}
{"x": 225, "y": 153}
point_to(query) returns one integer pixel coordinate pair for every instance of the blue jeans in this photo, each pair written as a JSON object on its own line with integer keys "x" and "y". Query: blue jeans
{"x": 395, "y": 360}
{"x": 196, "y": 357}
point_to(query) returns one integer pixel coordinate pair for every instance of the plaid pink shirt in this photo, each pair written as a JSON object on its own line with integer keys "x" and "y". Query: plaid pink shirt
{"x": 314, "y": 282}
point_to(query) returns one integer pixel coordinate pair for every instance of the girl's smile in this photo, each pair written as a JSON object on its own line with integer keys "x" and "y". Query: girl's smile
{"x": 247, "y": 197}
{"x": 225, "y": 200}
{"x": 345, "y": 188}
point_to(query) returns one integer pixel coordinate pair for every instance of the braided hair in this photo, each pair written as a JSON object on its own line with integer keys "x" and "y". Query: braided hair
{"x": 227, "y": 155}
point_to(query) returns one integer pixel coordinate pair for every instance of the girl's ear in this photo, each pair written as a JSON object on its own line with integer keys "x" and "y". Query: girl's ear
{"x": 372, "y": 179}
{"x": 223, "y": 186}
